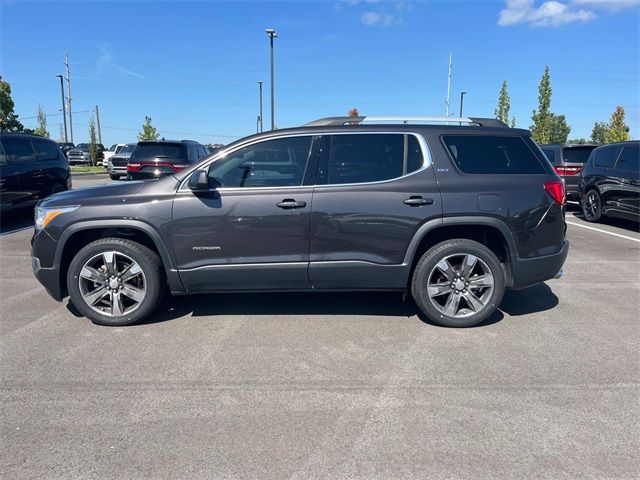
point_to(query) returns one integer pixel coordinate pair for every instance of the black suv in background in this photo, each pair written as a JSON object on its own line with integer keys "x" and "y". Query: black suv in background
{"x": 453, "y": 214}
{"x": 159, "y": 158}
{"x": 66, "y": 146}
{"x": 610, "y": 182}
{"x": 31, "y": 168}
{"x": 568, "y": 161}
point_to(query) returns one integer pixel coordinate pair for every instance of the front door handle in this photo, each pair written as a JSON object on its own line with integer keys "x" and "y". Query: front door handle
{"x": 290, "y": 203}
{"x": 417, "y": 201}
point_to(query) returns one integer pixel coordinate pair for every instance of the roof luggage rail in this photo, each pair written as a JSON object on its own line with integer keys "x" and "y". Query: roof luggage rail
{"x": 366, "y": 120}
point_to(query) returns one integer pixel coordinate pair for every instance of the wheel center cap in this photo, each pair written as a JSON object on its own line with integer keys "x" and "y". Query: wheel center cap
{"x": 113, "y": 283}
{"x": 459, "y": 284}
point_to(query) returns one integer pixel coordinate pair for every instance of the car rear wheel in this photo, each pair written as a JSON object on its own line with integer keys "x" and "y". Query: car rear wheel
{"x": 114, "y": 177}
{"x": 114, "y": 281}
{"x": 458, "y": 283}
{"x": 592, "y": 206}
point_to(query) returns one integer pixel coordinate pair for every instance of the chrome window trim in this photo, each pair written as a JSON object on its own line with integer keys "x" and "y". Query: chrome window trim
{"x": 424, "y": 147}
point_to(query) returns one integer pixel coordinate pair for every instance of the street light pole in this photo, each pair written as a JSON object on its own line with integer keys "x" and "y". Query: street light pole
{"x": 64, "y": 110}
{"x": 462, "y": 94}
{"x": 272, "y": 34}
{"x": 260, "y": 117}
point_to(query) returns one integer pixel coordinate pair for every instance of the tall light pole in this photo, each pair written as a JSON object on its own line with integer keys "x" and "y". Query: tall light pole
{"x": 98, "y": 122}
{"x": 66, "y": 63}
{"x": 64, "y": 110}
{"x": 272, "y": 34}
{"x": 260, "y": 117}
{"x": 462, "y": 94}
{"x": 447, "y": 102}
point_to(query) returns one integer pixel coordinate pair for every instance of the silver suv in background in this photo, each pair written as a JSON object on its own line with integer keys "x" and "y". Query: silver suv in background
{"x": 117, "y": 164}
{"x": 80, "y": 154}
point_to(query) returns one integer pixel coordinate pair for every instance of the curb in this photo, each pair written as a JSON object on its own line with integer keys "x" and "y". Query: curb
{"x": 86, "y": 174}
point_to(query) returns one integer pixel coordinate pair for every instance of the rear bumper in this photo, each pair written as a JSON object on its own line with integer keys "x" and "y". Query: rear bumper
{"x": 535, "y": 270}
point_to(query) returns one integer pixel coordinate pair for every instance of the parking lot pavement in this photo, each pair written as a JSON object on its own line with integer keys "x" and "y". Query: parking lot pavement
{"x": 329, "y": 385}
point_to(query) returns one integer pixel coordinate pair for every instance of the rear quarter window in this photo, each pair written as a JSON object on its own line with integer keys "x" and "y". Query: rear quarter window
{"x": 46, "y": 150}
{"x": 494, "y": 155}
{"x": 550, "y": 154}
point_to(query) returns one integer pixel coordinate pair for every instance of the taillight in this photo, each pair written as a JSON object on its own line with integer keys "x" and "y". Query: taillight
{"x": 556, "y": 191}
{"x": 134, "y": 167}
{"x": 568, "y": 170}
{"x": 177, "y": 167}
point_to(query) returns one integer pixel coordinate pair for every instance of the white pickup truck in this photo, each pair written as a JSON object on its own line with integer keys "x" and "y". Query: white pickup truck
{"x": 111, "y": 152}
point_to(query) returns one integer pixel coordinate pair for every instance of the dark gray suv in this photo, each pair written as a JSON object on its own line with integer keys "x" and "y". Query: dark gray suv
{"x": 453, "y": 213}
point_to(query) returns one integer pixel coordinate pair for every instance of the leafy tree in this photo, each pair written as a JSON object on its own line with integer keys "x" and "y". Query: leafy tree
{"x": 540, "y": 130}
{"x": 149, "y": 132}
{"x": 93, "y": 142}
{"x": 8, "y": 119}
{"x": 504, "y": 105}
{"x": 42, "y": 123}
{"x": 354, "y": 112}
{"x": 600, "y": 132}
{"x": 618, "y": 129}
{"x": 578, "y": 141}
{"x": 558, "y": 129}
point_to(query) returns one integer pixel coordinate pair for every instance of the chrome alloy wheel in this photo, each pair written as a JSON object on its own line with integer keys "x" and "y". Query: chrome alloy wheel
{"x": 112, "y": 284}
{"x": 460, "y": 285}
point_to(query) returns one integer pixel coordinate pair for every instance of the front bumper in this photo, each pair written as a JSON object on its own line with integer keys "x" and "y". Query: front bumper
{"x": 530, "y": 271}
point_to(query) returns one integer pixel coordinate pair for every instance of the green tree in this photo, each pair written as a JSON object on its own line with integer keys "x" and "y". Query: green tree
{"x": 42, "y": 123}
{"x": 540, "y": 130}
{"x": 148, "y": 132}
{"x": 618, "y": 129}
{"x": 8, "y": 119}
{"x": 93, "y": 142}
{"x": 600, "y": 132}
{"x": 578, "y": 141}
{"x": 504, "y": 106}
{"x": 558, "y": 129}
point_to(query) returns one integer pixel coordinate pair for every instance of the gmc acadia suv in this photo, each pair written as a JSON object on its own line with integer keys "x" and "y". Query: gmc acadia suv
{"x": 452, "y": 213}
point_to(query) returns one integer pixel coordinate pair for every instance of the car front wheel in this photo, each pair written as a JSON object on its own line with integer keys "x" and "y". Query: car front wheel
{"x": 458, "y": 283}
{"x": 592, "y": 206}
{"x": 115, "y": 281}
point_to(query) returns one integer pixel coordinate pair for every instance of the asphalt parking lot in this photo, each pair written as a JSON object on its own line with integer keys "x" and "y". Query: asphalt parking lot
{"x": 301, "y": 386}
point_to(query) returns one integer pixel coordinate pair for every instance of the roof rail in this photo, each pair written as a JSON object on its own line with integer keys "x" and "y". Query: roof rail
{"x": 363, "y": 120}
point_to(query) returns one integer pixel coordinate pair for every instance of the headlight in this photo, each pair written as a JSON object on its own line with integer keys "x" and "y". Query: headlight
{"x": 45, "y": 215}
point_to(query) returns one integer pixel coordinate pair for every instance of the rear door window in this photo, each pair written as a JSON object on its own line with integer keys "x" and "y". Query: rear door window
{"x": 495, "y": 155}
{"x": 605, "y": 157}
{"x": 45, "y": 150}
{"x": 629, "y": 159}
{"x": 365, "y": 158}
{"x": 18, "y": 150}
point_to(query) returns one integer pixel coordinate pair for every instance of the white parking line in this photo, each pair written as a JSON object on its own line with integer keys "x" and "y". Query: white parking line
{"x": 605, "y": 231}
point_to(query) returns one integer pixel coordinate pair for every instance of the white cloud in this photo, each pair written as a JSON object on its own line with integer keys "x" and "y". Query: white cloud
{"x": 554, "y": 13}
{"x": 106, "y": 63}
{"x": 385, "y": 20}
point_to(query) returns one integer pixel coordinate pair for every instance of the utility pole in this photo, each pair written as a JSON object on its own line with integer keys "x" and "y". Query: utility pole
{"x": 272, "y": 34}
{"x": 66, "y": 63}
{"x": 447, "y": 103}
{"x": 64, "y": 110}
{"x": 98, "y": 124}
{"x": 260, "y": 117}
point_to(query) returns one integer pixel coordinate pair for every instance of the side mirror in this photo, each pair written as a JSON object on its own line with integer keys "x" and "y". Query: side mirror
{"x": 199, "y": 181}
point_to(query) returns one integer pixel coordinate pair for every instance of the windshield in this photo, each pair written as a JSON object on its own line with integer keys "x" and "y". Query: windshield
{"x": 128, "y": 148}
{"x": 159, "y": 150}
{"x": 577, "y": 154}
{"x": 83, "y": 146}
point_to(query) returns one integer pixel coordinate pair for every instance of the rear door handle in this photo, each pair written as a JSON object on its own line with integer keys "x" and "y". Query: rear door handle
{"x": 290, "y": 203}
{"x": 417, "y": 201}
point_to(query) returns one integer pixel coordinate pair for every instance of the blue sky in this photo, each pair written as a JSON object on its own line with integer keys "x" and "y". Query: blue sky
{"x": 194, "y": 66}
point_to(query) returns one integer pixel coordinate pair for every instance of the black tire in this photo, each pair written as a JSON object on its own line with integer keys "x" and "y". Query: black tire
{"x": 114, "y": 177}
{"x": 57, "y": 188}
{"x": 592, "y": 206}
{"x": 149, "y": 263}
{"x": 426, "y": 267}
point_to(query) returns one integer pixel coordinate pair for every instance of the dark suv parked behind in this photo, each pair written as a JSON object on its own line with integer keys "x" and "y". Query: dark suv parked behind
{"x": 159, "y": 158}
{"x": 568, "y": 161}
{"x": 31, "y": 168}
{"x": 453, "y": 214}
{"x": 610, "y": 182}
